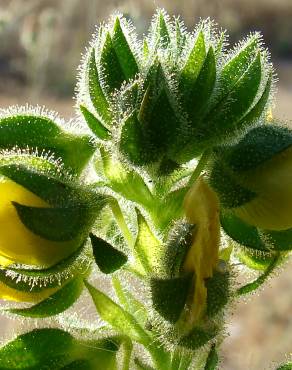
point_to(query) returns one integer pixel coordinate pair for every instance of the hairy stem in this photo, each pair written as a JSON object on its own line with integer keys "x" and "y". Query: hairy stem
{"x": 118, "y": 214}
{"x": 200, "y": 167}
{"x": 260, "y": 280}
{"x": 128, "y": 347}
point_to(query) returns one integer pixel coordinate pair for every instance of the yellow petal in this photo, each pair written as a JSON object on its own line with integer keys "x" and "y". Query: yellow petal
{"x": 202, "y": 209}
{"x": 5, "y": 262}
{"x": 19, "y": 244}
{"x": 11, "y": 294}
{"x": 271, "y": 209}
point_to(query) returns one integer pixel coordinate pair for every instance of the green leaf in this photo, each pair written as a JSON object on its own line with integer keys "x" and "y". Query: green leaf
{"x": 148, "y": 249}
{"x": 132, "y": 141}
{"x": 255, "y": 260}
{"x": 192, "y": 67}
{"x": 180, "y": 37}
{"x": 280, "y": 240}
{"x": 128, "y": 96}
{"x": 96, "y": 93}
{"x": 162, "y": 126}
{"x": 78, "y": 365}
{"x": 259, "y": 108}
{"x": 165, "y": 292}
{"x": 203, "y": 87}
{"x": 58, "y": 224}
{"x": 172, "y": 204}
{"x": 26, "y": 130}
{"x": 112, "y": 72}
{"x": 261, "y": 279}
{"x": 238, "y": 65}
{"x": 95, "y": 125}
{"x": 199, "y": 98}
{"x": 226, "y": 116}
{"x": 198, "y": 337}
{"x": 167, "y": 166}
{"x": 116, "y": 316}
{"x": 130, "y": 303}
{"x": 107, "y": 258}
{"x": 120, "y": 177}
{"x": 51, "y": 189}
{"x": 178, "y": 243}
{"x": 36, "y": 280}
{"x": 228, "y": 187}
{"x": 153, "y": 79}
{"x": 39, "y": 349}
{"x": 55, "y": 349}
{"x": 123, "y": 51}
{"x": 212, "y": 359}
{"x": 258, "y": 146}
{"x": 56, "y": 303}
{"x": 160, "y": 32}
{"x": 44, "y": 180}
{"x": 145, "y": 49}
{"x": 241, "y": 232}
{"x": 221, "y": 43}
{"x": 157, "y": 115}
{"x": 217, "y": 292}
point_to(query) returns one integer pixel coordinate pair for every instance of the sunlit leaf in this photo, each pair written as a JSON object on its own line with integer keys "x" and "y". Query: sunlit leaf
{"x": 107, "y": 258}
{"x": 56, "y": 303}
{"x": 116, "y": 316}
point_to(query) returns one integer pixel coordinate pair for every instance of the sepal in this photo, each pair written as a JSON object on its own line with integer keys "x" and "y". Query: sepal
{"x": 50, "y": 348}
{"x": 45, "y": 133}
{"x": 56, "y": 303}
{"x": 164, "y": 292}
{"x": 107, "y": 258}
{"x": 48, "y": 214}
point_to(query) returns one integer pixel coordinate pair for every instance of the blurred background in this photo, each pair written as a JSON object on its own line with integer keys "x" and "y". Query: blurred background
{"x": 41, "y": 42}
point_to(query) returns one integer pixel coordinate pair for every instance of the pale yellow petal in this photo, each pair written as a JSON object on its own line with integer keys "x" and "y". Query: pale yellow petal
{"x": 202, "y": 209}
{"x": 19, "y": 244}
{"x": 11, "y": 294}
{"x": 272, "y": 182}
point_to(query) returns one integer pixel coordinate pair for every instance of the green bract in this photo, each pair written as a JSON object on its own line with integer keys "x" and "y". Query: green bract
{"x": 45, "y": 133}
{"x": 46, "y": 214}
{"x": 180, "y": 93}
{"x": 253, "y": 181}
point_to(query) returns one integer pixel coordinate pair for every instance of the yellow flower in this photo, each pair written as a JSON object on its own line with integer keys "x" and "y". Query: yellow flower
{"x": 17, "y": 242}
{"x": 271, "y": 208}
{"x": 10, "y": 294}
{"x": 202, "y": 209}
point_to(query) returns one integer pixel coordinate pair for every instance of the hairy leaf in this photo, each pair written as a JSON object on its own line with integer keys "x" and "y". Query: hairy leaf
{"x": 116, "y": 316}
{"x": 56, "y": 303}
{"x": 95, "y": 125}
{"x": 107, "y": 258}
{"x": 41, "y": 133}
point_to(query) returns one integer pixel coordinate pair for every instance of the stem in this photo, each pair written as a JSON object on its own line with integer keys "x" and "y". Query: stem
{"x": 200, "y": 167}
{"x": 260, "y": 280}
{"x": 118, "y": 214}
{"x": 160, "y": 357}
{"x": 185, "y": 362}
{"x": 176, "y": 359}
{"x": 128, "y": 346}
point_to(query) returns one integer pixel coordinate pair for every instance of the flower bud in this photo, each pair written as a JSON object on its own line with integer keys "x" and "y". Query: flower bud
{"x": 182, "y": 93}
{"x": 43, "y": 132}
{"x": 45, "y": 216}
{"x": 254, "y": 184}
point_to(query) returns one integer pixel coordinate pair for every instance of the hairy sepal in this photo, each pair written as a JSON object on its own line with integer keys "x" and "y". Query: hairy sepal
{"x": 44, "y": 134}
